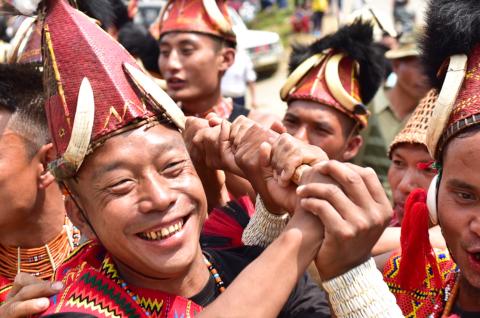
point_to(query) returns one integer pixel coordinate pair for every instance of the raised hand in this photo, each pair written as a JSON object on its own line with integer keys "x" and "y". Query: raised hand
{"x": 354, "y": 213}
{"x": 28, "y": 296}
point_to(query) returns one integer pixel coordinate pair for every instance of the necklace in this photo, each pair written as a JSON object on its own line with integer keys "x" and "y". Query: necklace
{"x": 450, "y": 297}
{"x": 218, "y": 280}
{"x": 39, "y": 261}
{"x": 113, "y": 274}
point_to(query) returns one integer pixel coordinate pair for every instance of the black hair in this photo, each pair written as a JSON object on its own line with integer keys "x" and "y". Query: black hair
{"x": 120, "y": 13}
{"x": 101, "y": 10}
{"x": 26, "y": 102}
{"x": 452, "y": 27}
{"x": 140, "y": 43}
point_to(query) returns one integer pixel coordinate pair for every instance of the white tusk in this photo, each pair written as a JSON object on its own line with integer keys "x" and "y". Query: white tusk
{"x": 299, "y": 73}
{"x": 335, "y": 85}
{"x": 217, "y": 16}
{"x": 452, "y": 84}
{"x": 156, "y": 95}
{"x": 82, "y": 126}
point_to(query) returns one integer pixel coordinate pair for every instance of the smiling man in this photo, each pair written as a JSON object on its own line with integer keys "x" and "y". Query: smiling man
{"x": 452, "y": 278}
{"x": 121, "y": 156}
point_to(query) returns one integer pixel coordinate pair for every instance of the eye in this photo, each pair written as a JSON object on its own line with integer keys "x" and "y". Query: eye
{"x": 398, "y": 163}
{"x": 322, "y": 130}
{"x": 164, "y": 52}
{"x": 122, "y": 187}
{"x": 465, "y": 196}
{"x": 174, "y": 169}
{"x": 186, "y": 51}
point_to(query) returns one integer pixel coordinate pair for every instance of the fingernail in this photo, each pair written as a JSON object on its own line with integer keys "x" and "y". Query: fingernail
{"x": 300, "y": 188}
{"x": 42, "y": 303}
{"x": 57, "y": 286}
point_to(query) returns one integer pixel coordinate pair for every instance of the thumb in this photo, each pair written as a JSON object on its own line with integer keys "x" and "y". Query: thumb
{"x": 278, "y": 127}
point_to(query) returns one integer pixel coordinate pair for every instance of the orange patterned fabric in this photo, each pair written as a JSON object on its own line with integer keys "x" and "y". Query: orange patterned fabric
{"x": 313, "y": 87}
{"x": 191, "y": 16}
{"x": 428, "y": 300}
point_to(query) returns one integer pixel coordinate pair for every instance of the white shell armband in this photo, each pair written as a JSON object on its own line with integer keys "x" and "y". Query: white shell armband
{"x": 362, "y": 293}
{"x": 264, "y": 227}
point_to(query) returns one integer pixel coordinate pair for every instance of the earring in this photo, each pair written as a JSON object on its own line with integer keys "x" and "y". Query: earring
{"x": 432, "y": 200}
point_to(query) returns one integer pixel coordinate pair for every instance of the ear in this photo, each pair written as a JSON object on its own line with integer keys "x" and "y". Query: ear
{"x": 395, "y": 65}
{"x": 353, "y": 147}
{"x": 76, "y": 213}
{"x": 227, "y": 57}
{"x": 45, "y": 155}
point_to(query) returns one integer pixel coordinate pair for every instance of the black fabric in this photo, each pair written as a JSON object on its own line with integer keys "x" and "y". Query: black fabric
{"x": 306, "y": 300}
{"x": 465, "y": 314}
{"x": 238, "y": 111}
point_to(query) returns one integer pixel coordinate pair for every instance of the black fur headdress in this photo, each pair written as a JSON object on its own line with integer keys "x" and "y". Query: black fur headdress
{"x": 453, "y": 27}
{"x": 356, "y": 41}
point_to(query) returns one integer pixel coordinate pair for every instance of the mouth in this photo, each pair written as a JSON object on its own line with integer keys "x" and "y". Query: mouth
{"x": 163, "y": 232}
{"x": 474, "y": 259}
{"x": 176, "y": 83}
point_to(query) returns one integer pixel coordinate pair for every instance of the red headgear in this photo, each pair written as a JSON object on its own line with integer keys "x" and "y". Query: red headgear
{"x": 332, "y": 81}
{"x": 94, "y": 89}
{"x": 203, "y": 16}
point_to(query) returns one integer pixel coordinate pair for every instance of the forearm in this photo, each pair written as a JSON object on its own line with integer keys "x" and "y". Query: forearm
{"x": 264, "y": 227}
{"x": 361, "y": 293}
{"x": 276, "y": 270}
{"x": 388, "y": 242}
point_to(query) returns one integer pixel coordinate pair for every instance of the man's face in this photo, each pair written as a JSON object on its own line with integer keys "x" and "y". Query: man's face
{"x": 410, "y": 76}
{"x": 17, "y": 171}
{"x": 4, "y": 117}
{"x": 144, "y": 200}
{"x": 319, "y": 125}
{"x": 405, "y": 175}
{"x": 459, "y": 205}
{"x": 191, "y": 65}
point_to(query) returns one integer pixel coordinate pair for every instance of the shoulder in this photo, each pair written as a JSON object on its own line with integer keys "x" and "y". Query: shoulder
{"x": 89, "y": 254}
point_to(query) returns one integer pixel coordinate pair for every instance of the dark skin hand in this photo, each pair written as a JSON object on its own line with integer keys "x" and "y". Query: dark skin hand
{"x": 354, "y": 212}
{"x": 213, "y": 179}
{"x": 270, "y": 161}
{"x": 28, "y": 296}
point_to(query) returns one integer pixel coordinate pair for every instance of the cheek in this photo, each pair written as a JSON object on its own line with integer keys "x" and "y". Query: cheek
{"x": 393, "y": 177}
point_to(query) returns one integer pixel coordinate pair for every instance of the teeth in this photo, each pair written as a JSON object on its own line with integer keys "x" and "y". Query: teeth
{"x": 162, "y": 233}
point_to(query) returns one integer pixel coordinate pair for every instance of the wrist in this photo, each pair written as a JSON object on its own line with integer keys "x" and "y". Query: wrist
{"x": 336, "y": 271}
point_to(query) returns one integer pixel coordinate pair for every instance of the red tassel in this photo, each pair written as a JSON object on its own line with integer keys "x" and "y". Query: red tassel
{"x": 417, "y": 252}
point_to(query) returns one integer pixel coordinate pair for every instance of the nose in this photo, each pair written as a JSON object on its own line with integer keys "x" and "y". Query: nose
{"x": 409, "y": 182}
{"x": 171, "y": 63}
{"x": 301, "y": 133}
{"x": 157, "y": 195}
{"x": 475, "y": 225}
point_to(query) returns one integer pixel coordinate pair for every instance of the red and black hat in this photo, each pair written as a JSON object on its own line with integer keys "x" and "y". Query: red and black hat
{"x": 201, "y": 16}
{"x": 451, "y": 56}
{"x": 343, "y": 70}
{"x": 94, "y": 89}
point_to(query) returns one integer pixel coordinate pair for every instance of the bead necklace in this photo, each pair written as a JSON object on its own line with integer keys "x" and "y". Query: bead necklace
{"x": 40, "y": 261}
{"x": 114, "y": 275}
{"x": 218, "y": 280}
{"x": 450, "y": 297}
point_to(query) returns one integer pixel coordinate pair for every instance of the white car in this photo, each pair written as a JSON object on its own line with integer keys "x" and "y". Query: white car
{"x": 264, "y": 47}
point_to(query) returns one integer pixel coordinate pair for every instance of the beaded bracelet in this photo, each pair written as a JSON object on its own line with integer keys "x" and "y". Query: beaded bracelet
{"x": 264, "y": 227}
{"x": 362, "y": 293}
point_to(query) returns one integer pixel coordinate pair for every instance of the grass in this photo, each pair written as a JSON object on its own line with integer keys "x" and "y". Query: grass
{"x": 275, "y": 20}
{"x": 278, "y": 21}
